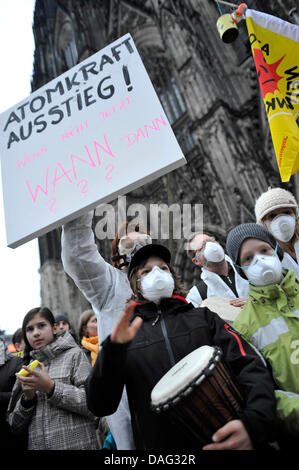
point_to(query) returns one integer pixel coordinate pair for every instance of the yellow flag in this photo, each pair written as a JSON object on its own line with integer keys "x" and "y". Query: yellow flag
{"x": 275, "y": 49}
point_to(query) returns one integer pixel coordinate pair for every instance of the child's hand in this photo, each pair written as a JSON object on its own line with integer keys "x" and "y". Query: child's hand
{"x": 232, "y": 436}
{"x": 36, "y": 380}
{"x": 28, "y": 390}
{"x": 238, "y": 302}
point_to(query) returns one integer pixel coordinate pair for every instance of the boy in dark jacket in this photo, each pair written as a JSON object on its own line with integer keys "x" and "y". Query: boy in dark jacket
{"x": 153, "y": 334}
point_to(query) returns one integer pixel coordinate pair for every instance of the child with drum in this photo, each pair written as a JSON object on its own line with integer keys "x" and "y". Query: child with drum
{"x": 157, "y": 329}
{"x": 270, "y": 318}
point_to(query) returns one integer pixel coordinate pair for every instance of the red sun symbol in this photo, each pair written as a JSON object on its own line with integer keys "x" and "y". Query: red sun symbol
{"x": 266, "y": 72}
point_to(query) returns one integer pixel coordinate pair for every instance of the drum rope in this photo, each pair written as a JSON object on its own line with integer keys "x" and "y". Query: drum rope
{"x": 210, "y": 405}
{"x": 230, "y": 381}
{"x": 188, "y": 423}
{"x": 193, "y": 407}
{"x": 224, "y": 397}
{"x": 216, "y": 361}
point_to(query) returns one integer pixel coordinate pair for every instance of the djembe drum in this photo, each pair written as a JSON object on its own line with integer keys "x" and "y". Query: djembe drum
{"x": 199, "y": 394}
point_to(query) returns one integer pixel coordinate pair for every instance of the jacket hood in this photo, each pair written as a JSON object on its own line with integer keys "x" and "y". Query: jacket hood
{"x": 63, "y": 342}
{"x": 171, "y": 305}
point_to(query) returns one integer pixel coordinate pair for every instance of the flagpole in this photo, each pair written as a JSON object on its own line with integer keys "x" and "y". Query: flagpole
{"x": 233, "y": 5}
{"x": 219, "y": 8}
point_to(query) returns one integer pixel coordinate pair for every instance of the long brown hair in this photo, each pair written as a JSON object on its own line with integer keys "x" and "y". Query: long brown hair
{"x": 45, "y": 313}
{"x": 83, "y": 320}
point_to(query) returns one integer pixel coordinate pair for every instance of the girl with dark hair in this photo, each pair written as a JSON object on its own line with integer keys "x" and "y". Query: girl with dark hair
{"x": 43, "y": 312}
{"x": 52, "y": 405}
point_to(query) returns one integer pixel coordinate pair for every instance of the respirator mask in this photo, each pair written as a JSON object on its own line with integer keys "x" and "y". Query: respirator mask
{"x": 156, "y": 285}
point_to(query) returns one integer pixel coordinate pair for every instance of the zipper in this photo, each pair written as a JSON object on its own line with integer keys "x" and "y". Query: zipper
{"x": 157, "y": 318}
{"x": 165, "y": 334}
{"x": 232, "y": 332}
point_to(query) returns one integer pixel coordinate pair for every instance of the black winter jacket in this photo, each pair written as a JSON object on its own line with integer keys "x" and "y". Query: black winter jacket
{"x": 169, "y": 333}
{"x": 7, "y": 380}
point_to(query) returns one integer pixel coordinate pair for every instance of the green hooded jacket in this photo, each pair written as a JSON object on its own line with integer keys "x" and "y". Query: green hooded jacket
{"x": 270, "y": 322}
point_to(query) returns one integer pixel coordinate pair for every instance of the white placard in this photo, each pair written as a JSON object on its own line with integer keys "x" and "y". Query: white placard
{"x": 93, "y": 133}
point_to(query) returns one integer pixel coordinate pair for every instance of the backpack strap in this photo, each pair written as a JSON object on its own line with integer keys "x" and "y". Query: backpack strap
{"x": 202, "y": 289}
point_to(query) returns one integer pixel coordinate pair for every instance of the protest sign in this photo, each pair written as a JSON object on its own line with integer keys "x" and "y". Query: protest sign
{"x": 95, "y": 132}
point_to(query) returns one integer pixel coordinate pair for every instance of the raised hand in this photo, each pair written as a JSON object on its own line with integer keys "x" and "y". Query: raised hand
{"x": 124, "y": 330}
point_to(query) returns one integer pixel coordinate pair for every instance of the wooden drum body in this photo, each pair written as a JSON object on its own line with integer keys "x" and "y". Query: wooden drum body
{"x": 199, "y": 394}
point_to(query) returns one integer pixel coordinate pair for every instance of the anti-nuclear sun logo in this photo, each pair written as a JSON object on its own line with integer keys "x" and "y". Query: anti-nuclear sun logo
{"x": 266, "y": 73}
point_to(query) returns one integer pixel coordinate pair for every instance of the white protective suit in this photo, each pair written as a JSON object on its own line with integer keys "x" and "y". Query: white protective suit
{"x": 107, "y": 289}
{"x": 217, "y": 287}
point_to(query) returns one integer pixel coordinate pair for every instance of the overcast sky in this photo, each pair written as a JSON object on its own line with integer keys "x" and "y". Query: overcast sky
{"x": 19, "y": 277}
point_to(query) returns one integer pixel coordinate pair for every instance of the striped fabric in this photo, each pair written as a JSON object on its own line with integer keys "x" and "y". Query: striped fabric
{"x": 270, "y": 333}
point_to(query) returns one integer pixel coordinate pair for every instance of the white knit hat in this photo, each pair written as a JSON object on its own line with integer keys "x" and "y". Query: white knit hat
{"x": 274, "y": 198}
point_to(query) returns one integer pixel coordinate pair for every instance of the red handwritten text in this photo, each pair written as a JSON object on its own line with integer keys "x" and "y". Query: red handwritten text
{"x": 110, "y": 111}
{"x": 69, "y": 175}
{"x": 76, "y": 130}
{"x": 31, "y": 157}
{"x": 133, "y": 137}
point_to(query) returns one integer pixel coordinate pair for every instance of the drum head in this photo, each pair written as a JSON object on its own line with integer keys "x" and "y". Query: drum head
{"x": 181, "y": 375}
{"x": 222, "y": 306}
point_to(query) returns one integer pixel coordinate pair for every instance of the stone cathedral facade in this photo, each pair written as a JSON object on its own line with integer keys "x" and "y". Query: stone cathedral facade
{"x": 210, "y": 93}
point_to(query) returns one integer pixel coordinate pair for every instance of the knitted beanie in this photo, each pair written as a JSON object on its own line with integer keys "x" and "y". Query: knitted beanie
{"x": 59, "y": 318}
{"x": 240, "y": 233}
{"x": 274, "y": 198}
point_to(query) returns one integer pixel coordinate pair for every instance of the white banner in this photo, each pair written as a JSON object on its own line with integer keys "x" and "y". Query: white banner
{"x": 95, "y": 132}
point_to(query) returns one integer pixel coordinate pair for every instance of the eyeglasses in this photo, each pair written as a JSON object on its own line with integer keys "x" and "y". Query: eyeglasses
{"x": 127, "y": 244}
{"x": 198, "y": 252}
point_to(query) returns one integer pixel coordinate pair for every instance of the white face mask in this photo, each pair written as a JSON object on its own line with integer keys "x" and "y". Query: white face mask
{"x": 282, "y": 227}
{"x": 213, "y": 252}
{"x": 157, "y": 284}
{"x": 264, "y": 270}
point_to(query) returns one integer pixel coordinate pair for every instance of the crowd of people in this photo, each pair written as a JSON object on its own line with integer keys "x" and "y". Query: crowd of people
{"x": 92, "y": 387}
